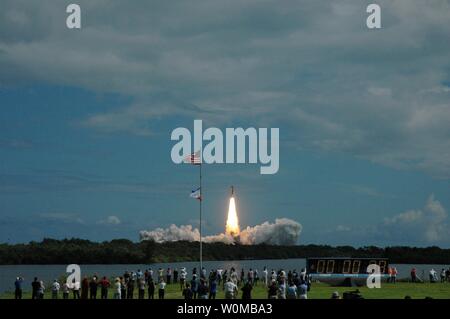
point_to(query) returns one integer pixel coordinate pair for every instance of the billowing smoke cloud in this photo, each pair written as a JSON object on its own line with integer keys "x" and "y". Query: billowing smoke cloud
{"x": 173, "y": 233}
{"x": 283, "y": 232}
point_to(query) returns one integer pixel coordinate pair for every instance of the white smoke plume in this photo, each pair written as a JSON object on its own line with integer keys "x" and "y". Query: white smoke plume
{"x": 283, "y": 232}
{"x": 173, "y": 233}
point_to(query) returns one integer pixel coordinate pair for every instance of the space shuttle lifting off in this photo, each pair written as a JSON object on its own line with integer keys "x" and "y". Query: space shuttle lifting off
{"x": 232, "y": 226}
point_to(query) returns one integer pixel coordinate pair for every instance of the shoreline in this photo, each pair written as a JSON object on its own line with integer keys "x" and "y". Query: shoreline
{"x": 123, "y": 251}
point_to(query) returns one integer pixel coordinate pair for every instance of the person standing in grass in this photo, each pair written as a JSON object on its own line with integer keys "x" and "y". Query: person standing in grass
{"x": 93, "y": 288}
{"x": 76, "y": 289}
{"x": 55, "y": 289}
{"x": 250, "y": 276}
{"x": 183, "y": 275}
{"x": 126, "y": 276}
{"x": 41, "y": 290}
{"x": 123, "y": 288}
{"x": 265, "y": 276}
{"x": 230, "y": 289}
{"x": 203, "y": 289}
{"x": 187, "y": 292}
{"x": 291, "y": 290}
{"x": 162, "y": 289}
{"x": 117, "y": 289}
{"x": 273, "y": 275}
{"x": 194, "y": 286}
{"x": 169, "y": 275}
{"x": 256, "y": 275}
{"x": 433, "y": 276}
{"x": 394, "y": 275}
{"x": 234, "y": 276}
{"x": 65, "y": 290}
{"x": 413, "y": 275}
{"x": 150, "y": 273}
{"x": 303, "y": 291}
{"x": 18, "y": 285}
{"x": 104, "y": 284}
{"x": 219, "y": 276}
{"x": 247, "y": 290}
{"x": 224, "y": 278}
{"x": 282, "y": 289}
{"x": 84, "y": 288}
{"x": 204, "y": 273}
{"x": 130, "y": 288}
{"x": 272, "y": 290}
{"x": 443, "y": 275}
{"x": 34, "y": 288}
{"x": 139, "y": 275}
{"x": 151, "y": 288}
{"x": 141, "y": 288}
{"x": 175, "y": 276}
{"x": 213, "y": 289}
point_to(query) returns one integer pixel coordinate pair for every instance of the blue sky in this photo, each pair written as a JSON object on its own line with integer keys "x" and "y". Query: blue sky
{"x": 86, "y": 117}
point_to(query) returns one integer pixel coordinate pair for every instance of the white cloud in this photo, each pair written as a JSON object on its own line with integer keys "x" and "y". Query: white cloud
{"x": 342, "y": 228}
{"x": 379, "y": 91}
{"x": 110, "y": 220}
{"x": 428, "y": 224}
{"x": 311, "y": 67}
{"x": 62, "y": 217}
{"x": 424, "y": 226}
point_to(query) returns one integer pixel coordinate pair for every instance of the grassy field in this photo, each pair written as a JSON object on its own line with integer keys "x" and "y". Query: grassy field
{"x": 322, "y": 291}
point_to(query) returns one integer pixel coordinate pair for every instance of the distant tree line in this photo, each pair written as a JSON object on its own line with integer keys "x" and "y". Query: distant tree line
{"x": 123, "y": 251}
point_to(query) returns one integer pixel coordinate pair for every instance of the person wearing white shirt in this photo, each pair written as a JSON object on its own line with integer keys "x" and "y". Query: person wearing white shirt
{"x": 433, "y": 275}
{"x": 219, "y": 276}
{"x": 117, "y": 289}
{"x": 230, "y": 289}
{"x": 162, "y": 288}
{"x": 265, "y": 276}
{"x": 55, "y": 289}
{"x": 183, "y": 275}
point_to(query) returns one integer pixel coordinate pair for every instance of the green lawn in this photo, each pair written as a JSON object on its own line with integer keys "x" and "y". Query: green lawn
{"x": 324, "y": 291}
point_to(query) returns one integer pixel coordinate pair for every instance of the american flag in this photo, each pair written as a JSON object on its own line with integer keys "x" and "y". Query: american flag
{"x": 197, "y": 194}
{"x": 193, "y": 159}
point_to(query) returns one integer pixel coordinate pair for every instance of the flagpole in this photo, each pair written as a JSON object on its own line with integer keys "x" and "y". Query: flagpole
{"x": 201, "y": 200}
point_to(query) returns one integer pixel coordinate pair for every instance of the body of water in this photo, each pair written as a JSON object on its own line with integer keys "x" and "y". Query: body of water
{"x": 47, "y": 273}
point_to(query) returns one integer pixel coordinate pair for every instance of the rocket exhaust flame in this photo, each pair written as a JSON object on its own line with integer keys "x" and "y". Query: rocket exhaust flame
{"x": 232, "y": 226}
